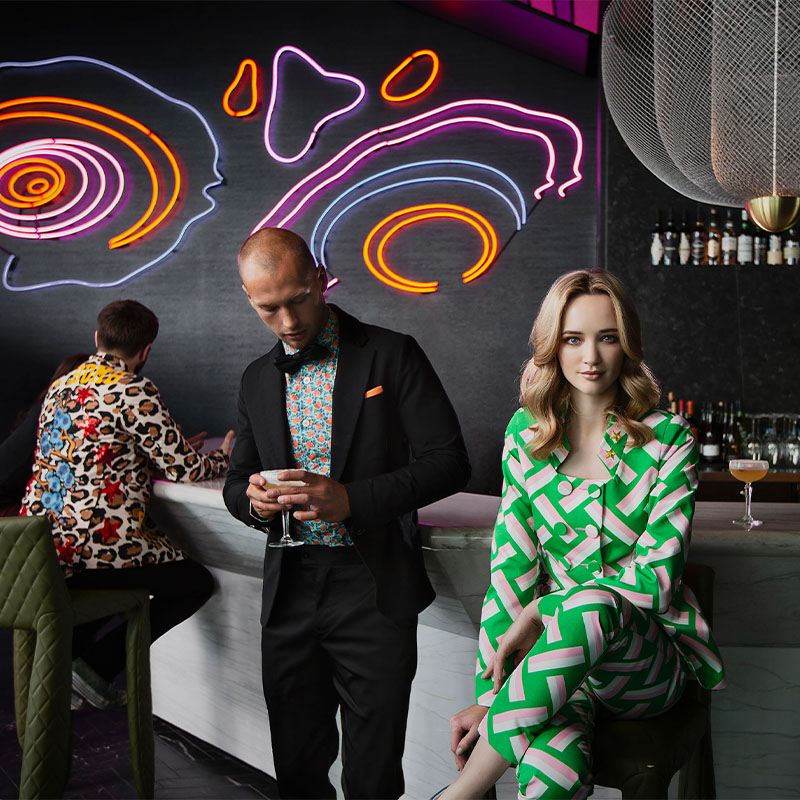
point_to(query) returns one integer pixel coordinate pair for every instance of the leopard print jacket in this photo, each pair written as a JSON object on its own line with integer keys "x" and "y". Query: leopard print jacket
{"x": 103, "y": 433}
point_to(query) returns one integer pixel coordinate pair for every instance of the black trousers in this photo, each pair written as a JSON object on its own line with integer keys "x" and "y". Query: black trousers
{"x": 177, "y": 589}
{"x": 325, "y": 647}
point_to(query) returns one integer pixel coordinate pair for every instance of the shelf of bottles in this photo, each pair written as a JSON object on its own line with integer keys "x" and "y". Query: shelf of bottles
{"x": 723, "y": 432}
{"x": 726, "y": 239}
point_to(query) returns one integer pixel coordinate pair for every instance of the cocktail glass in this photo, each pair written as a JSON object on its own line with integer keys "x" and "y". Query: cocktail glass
{"x": 748, "y": 471}
{"x": 271, "y": 476}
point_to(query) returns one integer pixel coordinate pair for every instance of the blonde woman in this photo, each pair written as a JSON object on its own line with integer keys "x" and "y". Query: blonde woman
{"x": 586, "y": 604}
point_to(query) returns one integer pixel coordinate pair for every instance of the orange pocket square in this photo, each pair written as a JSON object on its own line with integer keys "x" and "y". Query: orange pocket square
{"x": 373, "y": 392}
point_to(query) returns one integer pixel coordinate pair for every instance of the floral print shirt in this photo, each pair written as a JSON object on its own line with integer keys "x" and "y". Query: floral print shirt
{"x": 103, "y": 432}
{"x": 309, "y": 410}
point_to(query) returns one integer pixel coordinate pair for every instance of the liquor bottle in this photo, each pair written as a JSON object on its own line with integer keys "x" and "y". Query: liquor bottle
{"x": 710, "y": 446}
{"x": 681, "y": 407}
{"x": 673, "y": 406}
{"x": 722, "y": 427}
{"x": 713, "y": 249}
{"x": 684, "y": 241}
{"x": 760, "y": 246}
{"x": 657, "y": 244}
{"x": 670, "y": 242}
{"x": 729, "y": 241}
{"x": 731, "y": 439}
{"x": 775, "y": 252}
{"x": 698, "y": 243}
{"x": 791, "y": 247}
{"x": 744, "y": 242}
{"x": 694, "y": 423}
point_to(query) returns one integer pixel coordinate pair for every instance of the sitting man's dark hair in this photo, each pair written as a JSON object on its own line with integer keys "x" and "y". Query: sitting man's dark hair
{"x": 126, "y": 327}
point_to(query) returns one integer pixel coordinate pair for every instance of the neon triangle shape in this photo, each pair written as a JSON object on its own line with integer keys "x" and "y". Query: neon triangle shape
{"x": 274, "y": 95}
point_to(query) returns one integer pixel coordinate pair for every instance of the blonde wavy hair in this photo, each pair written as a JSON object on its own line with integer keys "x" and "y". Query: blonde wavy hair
{"x": 544, "y": 390}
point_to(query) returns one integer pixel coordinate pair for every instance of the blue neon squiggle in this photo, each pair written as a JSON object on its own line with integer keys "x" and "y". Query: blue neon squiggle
{"x": 205, "y": 190}
{"x": 520, "y": 216}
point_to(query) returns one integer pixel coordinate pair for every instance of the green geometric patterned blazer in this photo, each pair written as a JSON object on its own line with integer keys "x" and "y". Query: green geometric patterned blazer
{"x": 629, "y": 533}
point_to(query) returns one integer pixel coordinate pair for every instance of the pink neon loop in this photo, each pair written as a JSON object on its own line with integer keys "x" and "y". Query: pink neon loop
{"x": 274, "y": 95}
{"x": 294, "y": 192}
{"x": 75, "y": 152}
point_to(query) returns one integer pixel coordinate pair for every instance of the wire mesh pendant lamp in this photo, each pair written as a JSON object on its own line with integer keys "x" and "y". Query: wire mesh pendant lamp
{"x": 706, "y": 93}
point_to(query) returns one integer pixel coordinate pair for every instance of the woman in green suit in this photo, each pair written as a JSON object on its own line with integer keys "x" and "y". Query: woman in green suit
{"x": 586, "y": 604}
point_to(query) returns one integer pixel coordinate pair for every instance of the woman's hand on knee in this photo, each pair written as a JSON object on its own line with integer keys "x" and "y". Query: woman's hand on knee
{"x": 518, "y": 640}
{"x": 464, "y": 732}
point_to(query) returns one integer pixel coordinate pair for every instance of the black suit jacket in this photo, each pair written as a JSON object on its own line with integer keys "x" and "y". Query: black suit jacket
{"x": 394, "y": 451}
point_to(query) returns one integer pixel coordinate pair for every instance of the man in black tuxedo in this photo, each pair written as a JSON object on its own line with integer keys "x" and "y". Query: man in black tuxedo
{"x": 357, "y": 413}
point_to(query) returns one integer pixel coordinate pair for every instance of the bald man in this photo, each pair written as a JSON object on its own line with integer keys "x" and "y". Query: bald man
{"x": 356, "y": 414}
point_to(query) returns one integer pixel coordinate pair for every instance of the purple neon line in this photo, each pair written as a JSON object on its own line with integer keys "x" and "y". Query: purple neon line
{"x": 436, "y": 126}
{"x": 274, "y": 95}
{"x": 68, "y": 146}
{"x": 204, "y": 191}
{"x": 377, "y": 131}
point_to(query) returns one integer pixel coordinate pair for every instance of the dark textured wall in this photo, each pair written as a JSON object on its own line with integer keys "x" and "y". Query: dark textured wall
{"x": 476, "y": 335}
{"x": 710, "y": 333}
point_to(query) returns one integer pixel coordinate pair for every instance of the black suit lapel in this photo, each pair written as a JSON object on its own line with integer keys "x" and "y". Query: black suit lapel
{"x": 352, "y": 375}
{"x": 274, "y": 445}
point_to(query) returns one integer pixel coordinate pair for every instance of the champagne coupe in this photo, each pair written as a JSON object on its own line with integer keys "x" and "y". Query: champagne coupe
{"x": 748, "y": 471}
{"x": 271, "y": 476}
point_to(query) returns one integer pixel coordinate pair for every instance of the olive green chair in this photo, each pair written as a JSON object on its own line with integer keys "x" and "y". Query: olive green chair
{"x": 36, "y": 603}
{"x": 640, "y": 757}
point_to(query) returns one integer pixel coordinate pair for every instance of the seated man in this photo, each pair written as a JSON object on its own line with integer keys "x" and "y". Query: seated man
{"x": 103, "y": 432}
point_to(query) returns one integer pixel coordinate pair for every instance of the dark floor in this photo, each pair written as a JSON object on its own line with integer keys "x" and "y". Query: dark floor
{"x": 185, "y": 766}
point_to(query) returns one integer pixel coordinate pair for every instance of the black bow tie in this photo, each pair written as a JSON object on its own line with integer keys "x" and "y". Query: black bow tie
{"x": 291, "y": 363}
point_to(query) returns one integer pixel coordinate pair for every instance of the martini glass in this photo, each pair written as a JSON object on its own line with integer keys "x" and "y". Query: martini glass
{"x": 748, "y": 471}
{"x": 271, "y": 476}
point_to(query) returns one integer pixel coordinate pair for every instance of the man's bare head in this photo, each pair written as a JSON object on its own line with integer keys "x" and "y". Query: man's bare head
{"x": 268, "y": 248}
{"x": 284, "y": 285}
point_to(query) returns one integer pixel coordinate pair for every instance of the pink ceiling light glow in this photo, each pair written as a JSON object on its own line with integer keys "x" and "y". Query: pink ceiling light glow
{"x": 22, "y": 159}
{"x": 300, "y": 200}
{"x": 274, "y": 96}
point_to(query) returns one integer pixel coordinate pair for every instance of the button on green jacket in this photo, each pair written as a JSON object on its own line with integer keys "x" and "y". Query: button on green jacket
{"x": 629, "y": 533}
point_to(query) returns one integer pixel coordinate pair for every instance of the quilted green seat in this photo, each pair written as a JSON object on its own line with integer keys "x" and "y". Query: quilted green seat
{"x": 35, "y": 602}
{"x": 639, "y": 757}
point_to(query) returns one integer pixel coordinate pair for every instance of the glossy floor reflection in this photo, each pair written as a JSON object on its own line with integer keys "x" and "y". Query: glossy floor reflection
{"x": 101, "y": 767}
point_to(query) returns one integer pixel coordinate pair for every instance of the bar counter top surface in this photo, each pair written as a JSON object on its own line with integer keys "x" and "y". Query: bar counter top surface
{"x": 473, "y": 516}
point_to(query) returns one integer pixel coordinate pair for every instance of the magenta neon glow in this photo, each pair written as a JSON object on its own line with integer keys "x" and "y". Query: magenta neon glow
{"x": 294, "y": 192}
{"x": 75, "y": 152}
{"x": 274, "y": 95}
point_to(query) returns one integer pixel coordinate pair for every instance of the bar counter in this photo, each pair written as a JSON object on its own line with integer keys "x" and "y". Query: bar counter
{"x": 206, "y": 672}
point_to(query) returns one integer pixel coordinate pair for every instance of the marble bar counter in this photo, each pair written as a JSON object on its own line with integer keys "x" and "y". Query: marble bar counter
{"x": 206, "y": 672}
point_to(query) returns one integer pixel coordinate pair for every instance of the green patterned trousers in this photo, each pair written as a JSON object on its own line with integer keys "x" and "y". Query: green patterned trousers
{"x": 596, "y": 647}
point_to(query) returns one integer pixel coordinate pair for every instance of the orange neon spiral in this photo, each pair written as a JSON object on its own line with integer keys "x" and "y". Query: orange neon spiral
{"x": 139, "y": 228}
{"x": 429, "y": 211}
{"x": 247, "y": 62}
{"x": 37, "y": 166}
{"x": 394, "y": 98}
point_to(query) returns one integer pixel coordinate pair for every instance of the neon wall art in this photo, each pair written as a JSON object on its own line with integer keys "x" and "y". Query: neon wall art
{"x": 34, "y": 174}
{"x": 247, "y": 63}
{"x": 486, "y": 112}
{"x": 403, "y": 65}
{"x": 339, "y": 76}
{"x": 53, "y": 187}
{"x": 429, "y": 211}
